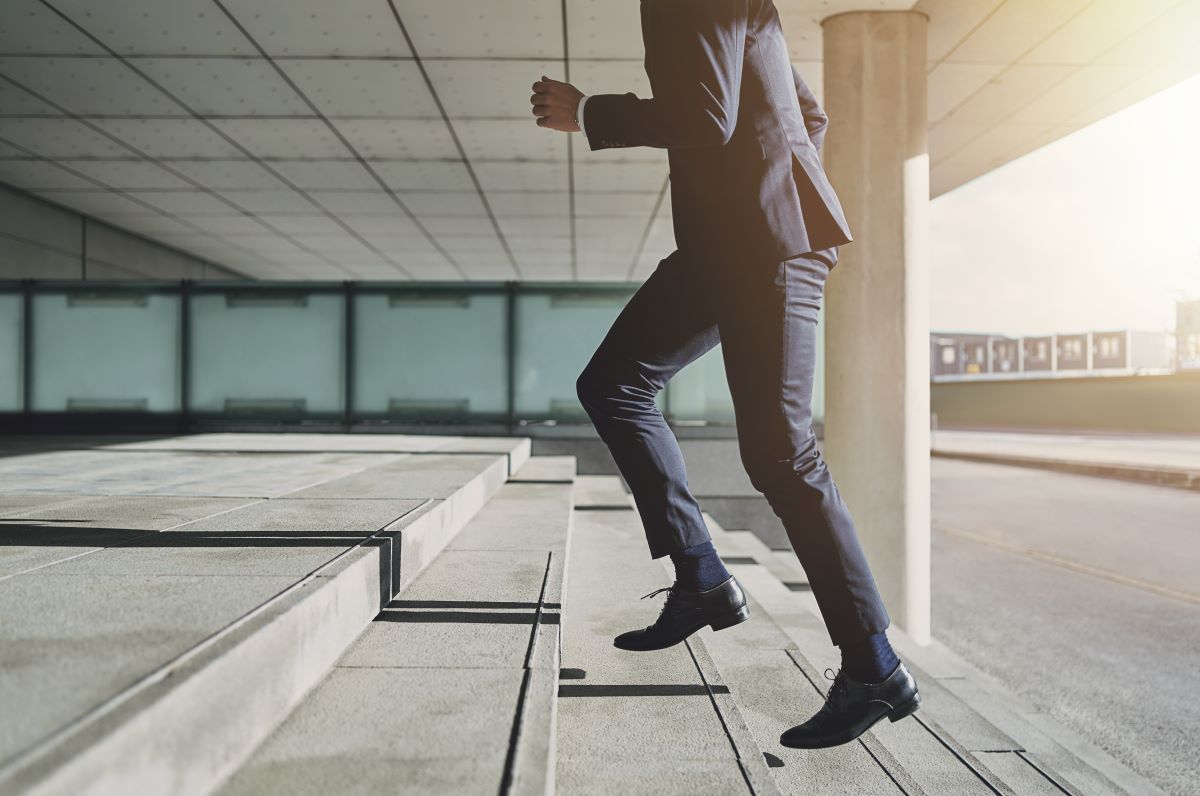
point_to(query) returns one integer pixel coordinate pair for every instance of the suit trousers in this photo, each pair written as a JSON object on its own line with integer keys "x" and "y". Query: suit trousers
{"x": 764, "y": 315}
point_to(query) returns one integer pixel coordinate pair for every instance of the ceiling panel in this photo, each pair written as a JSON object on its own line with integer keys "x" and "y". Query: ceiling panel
{"x": 1028, "y": 21}
{"x": 616, "y": 204}
{"x": 153, "y": 27}
{"x": 399, "y": 139}
{"x": 59, "y": 139}
{"x": 604, "y": 29}
{"x": 274, "y": 202}
{"x": 225, "y": 86}
{"x": 42, "y": 175}
{"x": 129, "y": 175}
{"x": 373, "y": 88}
{"x": 283, "y": 138}
{"x": 222, "y": 175}
{"x": 522, "y": 176}
{"x": 489, "y": 89}
{"x": 27, "y": 26}
{"x": 444, "y": 203}
{"x": 98, "y": 203}
{"x": 89, "y": 86}
{"x": 185, "y": 203}
{"x": 598, "y": 174}
{"x": 15, "y": 101}
{"x": 169, "y": 138}
{"x": 412, "y": 175}
{"x": 497, "y": 28}
{"x": 365, "y": 203}
{"x": 490, "y": 139}
{"x": 347, "y": 28}
{"x": 340, "y": 174}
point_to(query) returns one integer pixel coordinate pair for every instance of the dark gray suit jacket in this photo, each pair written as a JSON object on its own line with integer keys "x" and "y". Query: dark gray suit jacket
{"x": 741, "y": 129}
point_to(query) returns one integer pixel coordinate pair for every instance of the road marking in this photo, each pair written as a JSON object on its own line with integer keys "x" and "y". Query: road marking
{"x": 1074, "y": 566}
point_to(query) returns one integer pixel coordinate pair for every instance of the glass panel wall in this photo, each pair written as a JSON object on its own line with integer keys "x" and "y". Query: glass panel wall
{"x": 420, "y": 351}
{"x": 11, "y": 387}
{"x": 557, "y": 332}
{"x": 110, "y": 350}
{"x": 700, "y": 392}
{"x": 268, "y": 351}
{"x": 428, "y": 354}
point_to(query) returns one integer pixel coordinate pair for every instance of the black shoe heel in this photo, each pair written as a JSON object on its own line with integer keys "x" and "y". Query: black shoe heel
{"x": 908, "y": 708}
{"x": 729, "y": 620}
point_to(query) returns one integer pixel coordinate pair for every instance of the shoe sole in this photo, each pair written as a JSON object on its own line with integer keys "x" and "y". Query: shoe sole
{"x": 895, "y": 714}
{"x": 721, "y": 623}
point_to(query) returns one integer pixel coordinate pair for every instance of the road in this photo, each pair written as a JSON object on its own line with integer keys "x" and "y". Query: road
{"x": 1081, "y": 594}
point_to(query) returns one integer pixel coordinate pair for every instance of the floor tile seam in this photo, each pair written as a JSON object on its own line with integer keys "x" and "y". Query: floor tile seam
{"x": 145, "y": 535}
{"x": 44, "y": 507}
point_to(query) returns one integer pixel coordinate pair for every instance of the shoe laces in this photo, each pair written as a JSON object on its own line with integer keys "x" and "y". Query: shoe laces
{"x": 838, "y": 686}
{"x": 671, "y": 593}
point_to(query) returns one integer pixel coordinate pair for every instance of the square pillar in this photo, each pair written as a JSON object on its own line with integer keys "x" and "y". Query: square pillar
{"x": 877, "y": 298}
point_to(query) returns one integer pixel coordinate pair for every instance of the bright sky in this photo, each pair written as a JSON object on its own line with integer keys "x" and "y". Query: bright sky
{"x": 1100, "y": 229}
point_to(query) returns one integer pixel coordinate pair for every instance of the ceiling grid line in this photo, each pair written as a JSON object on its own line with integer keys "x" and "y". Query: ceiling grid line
{"x": 237, "y": 145}
{"x": 1048, "y": 88}
{"x": 349, "y": 147}
{"x": 148, "y": 158}
{"x": 487, "y": 206}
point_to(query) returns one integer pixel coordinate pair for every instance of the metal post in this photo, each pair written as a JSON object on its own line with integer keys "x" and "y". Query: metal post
{"x": 348, "y": 397}
{"x": 185, "y": 353}
{"x": 511, "y": 352}
{"x": 27, "y": 345}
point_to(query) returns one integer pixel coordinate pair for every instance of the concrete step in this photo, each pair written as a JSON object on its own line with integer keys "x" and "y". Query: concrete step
{"x": 452, "y": 689}
{"x": 149, "y": 596}
{"x": 655, "y": 722}
{"x": 969, "y": 735}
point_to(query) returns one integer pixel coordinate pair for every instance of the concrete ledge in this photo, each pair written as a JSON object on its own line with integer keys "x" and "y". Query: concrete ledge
{"x": 172, "y": 731}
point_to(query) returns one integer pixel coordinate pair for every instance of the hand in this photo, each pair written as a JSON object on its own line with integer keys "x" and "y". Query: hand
{"x": 555, "y": 103}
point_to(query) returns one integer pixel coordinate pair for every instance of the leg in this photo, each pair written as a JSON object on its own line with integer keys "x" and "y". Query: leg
{"x": 668, "y": 323}
{"x": 767, "y": 323}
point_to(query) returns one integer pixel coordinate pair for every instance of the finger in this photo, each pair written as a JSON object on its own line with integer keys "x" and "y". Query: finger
{"x": 541, "y": 110}
{"x": 542, "y": 121}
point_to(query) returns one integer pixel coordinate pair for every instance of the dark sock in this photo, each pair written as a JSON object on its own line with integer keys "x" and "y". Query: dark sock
{"x": 699, "y": 568}
{"x": 870, "y": 660}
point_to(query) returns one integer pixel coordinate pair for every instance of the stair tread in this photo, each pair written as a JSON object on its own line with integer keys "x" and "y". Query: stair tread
{"x": 949, "y": 745}
{"x": 638, "y": 722}
{"x": 427, "y": 696}
{"x": 136, "y": 624}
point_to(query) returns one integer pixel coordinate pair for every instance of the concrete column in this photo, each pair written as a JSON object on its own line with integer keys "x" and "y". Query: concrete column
{"x": 877, "y": 298}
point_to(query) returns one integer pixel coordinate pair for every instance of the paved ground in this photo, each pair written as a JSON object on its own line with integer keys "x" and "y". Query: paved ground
{"x": 1081, "y": 595}
{"x": 1145, "y": 450}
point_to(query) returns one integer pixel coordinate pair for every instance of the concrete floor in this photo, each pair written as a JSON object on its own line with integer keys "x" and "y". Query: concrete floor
{"x": 1079, "y": 594}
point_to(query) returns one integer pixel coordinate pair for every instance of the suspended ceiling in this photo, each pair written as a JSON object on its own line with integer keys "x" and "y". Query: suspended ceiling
{"x": 377, "y": 140}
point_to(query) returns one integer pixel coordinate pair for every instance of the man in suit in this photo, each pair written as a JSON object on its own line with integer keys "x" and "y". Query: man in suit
{"x": 757, "y": 228}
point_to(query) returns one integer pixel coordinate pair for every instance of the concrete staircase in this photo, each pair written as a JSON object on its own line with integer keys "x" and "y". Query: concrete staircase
{"x": 243, "y": 614}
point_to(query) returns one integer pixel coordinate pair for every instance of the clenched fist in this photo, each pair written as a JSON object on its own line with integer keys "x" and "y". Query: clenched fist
{"x": 554, "y": 103}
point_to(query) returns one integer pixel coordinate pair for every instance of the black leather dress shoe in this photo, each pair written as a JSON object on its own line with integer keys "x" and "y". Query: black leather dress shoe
{"x": 851, "y": 708}
{"x": 686, "y": 612}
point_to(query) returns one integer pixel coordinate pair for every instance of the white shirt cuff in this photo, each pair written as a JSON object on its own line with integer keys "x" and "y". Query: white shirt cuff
{"x": 579, "y": 113}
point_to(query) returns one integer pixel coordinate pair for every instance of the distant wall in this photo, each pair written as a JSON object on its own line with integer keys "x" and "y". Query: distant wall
{"x": 39, "y": 240}
{"x": 1156, "y": 404}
